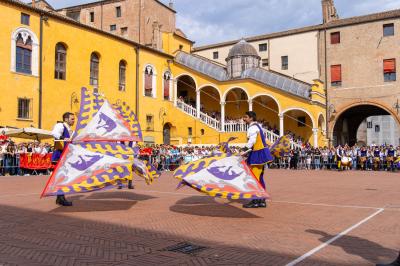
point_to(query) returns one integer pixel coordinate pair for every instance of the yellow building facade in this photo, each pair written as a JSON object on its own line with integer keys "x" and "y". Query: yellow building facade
{"x": 180, "y": 98}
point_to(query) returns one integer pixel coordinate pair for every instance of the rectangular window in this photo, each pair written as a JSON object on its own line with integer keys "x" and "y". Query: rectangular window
{"x": 388, "y": 29}
{"x": 60, "y": 65}
{"x": 389, "y": 70}
{"x": 25, "y": 19}
{"x": 113, "y": 27}
{"x": 149, "y": 122}
{"x": 215, "y": 55}
{"x": 124, "y": 31}
{"x": 262, "y": 47}
{"x": 118, "y": 11}
{"x": 24, "y": 108}
{"x": 122, "y": 77}
{"x": 336, "y": 75}
{"x": 335, "y": 37}
{"x": 377, "y": 128}
{"x": 369, "y": 124}
{"x": 285, "y": 62}
{"x": 190, "y": 131}
{"x": 301, "y": 121}
{"x": 91, "y": 16}
{"x": 265, "y": 62}
{"x": 23, "y": 60}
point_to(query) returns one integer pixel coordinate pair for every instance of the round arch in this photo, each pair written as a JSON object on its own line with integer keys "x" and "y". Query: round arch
{"x": 351, "y": 117}
{"x": 270, "y": 96}
{"x": 223, "y": 99}
{"x": 212, "y": 86}
{"x": 167, "y": 133}
{"x": 303, "y": 110}
{"x": 189, "y": 75}
{"x": 25, "y": 34}
{"x": 152, "y": 67}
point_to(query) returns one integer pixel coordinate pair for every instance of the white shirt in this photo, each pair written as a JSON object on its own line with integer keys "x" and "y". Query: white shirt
{"x": 252, "y": 135}
{"x": 59, "y": 129}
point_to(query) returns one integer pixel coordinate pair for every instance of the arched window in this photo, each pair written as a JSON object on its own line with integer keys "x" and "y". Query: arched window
{"x": 23, "y": 61}
{"x": 24, "y": 52}
{"x": 148, "y": 81}
{"x": 94, "y": 70}
{"x": 122, "y": 75}
{"x": 61, "y": 62}
{"x": 167, "y": 85}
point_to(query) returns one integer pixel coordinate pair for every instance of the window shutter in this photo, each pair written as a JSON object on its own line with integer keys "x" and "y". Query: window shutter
{"x": 335, "y": 37}
{"x": 166, "y": 88}
{"x": 148, "y": 81}
{"x": 389, "y": 65}
{"x": 336, "y": 73}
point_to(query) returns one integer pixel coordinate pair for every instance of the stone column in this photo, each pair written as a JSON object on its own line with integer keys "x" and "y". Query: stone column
{"x": 223, "y": 116}
{"x": 315, "y": 137}
{"x": 198, "y": 103}
{"x": 250, "y": 105}
{"x": 281, "y": 129}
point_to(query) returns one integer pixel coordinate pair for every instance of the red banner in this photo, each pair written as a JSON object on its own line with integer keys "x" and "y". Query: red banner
{"x": 35, "y": 161}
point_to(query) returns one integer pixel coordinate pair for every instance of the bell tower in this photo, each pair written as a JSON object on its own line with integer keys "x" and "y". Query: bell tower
{"x": 329, "y": 12}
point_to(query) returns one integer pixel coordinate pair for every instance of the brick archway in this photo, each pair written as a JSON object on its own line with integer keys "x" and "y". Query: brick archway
{"x": 356, "y": 113}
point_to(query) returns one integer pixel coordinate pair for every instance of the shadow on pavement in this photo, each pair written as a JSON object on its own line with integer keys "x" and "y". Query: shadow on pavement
{"x": 357, "y": 246}
{"x": 206, "y": 206}
{"x": 102, "y": 201}
{"x": 31, "y": 237}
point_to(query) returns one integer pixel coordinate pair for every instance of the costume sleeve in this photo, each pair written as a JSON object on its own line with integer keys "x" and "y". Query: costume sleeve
{"x": 58, "y": 131}
{"x": 252, "y": 137}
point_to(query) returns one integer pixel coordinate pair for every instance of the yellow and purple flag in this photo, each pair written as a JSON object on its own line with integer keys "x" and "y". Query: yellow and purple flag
{"x": 222, "y": 175}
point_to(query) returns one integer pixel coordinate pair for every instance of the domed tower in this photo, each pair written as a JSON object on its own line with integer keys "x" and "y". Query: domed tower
{"x": 241, "y": 56}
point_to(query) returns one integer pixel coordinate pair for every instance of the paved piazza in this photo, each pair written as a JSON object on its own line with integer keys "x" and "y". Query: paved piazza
{"x": 314, "y": 218}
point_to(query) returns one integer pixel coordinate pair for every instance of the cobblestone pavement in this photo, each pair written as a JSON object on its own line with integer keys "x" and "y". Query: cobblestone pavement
{"x": 150, "y": 224}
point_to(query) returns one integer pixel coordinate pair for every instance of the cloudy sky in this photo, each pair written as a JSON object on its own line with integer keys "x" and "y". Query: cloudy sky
{"x": 211, "y": 21}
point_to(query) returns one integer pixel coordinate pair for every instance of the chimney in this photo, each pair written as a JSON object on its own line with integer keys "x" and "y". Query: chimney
{"x": 329, "y": 12}
{"x": 171, "y": 4}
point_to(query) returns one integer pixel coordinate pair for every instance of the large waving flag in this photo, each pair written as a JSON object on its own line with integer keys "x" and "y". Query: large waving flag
{"x": 106, "y": 125}
{"x": 90, "y": 166}
{"x": 98, "y": 120}
{"x": 280, "y": 147}
{"x": 222, "y": 176}
{"x": 96, "y": 158}
{"x": 145, "y": 169}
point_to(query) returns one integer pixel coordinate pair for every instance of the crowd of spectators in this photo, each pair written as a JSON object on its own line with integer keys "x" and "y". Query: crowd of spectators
{"x": 10, "y": 153}
{"x": 167, "y": 157}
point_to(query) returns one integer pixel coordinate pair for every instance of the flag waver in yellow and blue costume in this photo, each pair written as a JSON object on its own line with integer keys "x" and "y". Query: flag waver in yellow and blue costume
{"x": 96, "y": 157}
{"x": 259, "y": 153}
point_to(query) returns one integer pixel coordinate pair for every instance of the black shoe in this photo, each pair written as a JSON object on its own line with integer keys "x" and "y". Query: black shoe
{"x": 262, "y": 203}
{"x": 251, "y": 204}
{"x": 62, "y": 201}
{"x": 120, "y": 187}
{"x": 131, "y": 187}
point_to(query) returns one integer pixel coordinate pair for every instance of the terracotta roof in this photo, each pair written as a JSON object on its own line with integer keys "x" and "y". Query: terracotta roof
{"x": 179, "y": 33}
{"x": 333, "y": 24}
{"x": 364, "y": 19}
{"x": 38, "y": 1}
{"x": 56, "y": 15}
